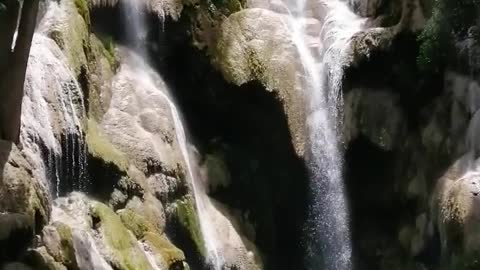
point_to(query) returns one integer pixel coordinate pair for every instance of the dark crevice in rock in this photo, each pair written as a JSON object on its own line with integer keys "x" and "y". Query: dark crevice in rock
{"x": 107, "y": 176}
{"x": 85, "y": 85}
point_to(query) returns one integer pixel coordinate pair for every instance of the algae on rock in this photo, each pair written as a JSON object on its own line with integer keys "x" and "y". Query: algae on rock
{"x": 125, "y": 252}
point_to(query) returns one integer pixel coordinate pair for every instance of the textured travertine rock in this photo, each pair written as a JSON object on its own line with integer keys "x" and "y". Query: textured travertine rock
{"x": 255, "y": 44}
{"x": 456, "y": 210}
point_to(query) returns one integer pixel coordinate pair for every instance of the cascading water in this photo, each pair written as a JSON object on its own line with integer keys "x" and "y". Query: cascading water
{"x": 52, "y": 113}
{"x": 136, "y": 32}
{"x": 328, "y": 242}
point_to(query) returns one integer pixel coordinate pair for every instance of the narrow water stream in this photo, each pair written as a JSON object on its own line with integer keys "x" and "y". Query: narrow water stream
{"x": 328, "y": 240}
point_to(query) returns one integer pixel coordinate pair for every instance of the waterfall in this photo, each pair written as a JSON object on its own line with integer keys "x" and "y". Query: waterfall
{"x": 328, "y": 242}
{"x": 136, "y": 35}
{"x": 52, "y": 114}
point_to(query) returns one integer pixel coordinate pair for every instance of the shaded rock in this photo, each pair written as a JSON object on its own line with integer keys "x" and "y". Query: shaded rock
{"x": 15, "y": 266}
{"x": 16, "y": 234}
{"x": 375, "y": 114}
{"x": 42, "y": 260}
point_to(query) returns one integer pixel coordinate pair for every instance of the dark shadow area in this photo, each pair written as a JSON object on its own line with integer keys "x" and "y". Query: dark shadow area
{"x": 396, "y": 69}
{"x": 375, "y": 209}
{"x": 106, "y": 176}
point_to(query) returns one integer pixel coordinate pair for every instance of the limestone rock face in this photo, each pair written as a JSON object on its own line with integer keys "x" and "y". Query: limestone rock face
{"x": 255, "y": 44}
{"x": 143, "y": 100}
{"x": 87, "y": 234}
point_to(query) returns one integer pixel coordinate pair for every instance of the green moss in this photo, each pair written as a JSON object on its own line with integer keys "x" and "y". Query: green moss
{"x": 66, "y": 245}
{"x": 187, "y": 217}
{"x": 122, "y": 245}
{"x": 136, "y": 223}
{"x": 99, "y": 146}
{"x": 83, "y": 10}
{"x": 109, "y": 51}
{"x": 146, "y": 231}
{"x": 161, "y": 245}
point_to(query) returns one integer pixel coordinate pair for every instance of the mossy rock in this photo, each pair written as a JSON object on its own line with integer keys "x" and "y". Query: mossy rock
{"x": 40, "y": 259}
{"x": 58, "y": 240}
{"x": 126, "y": 254}
{"x": 186, "y": 216}
{"x": 83, "y": 10}
{"x": 66, "y": 244}
{"x": 99, "y": 146}
{"x": 108, "y": 52}
{"x": 136, "y": 223}
{"x": 162, "y": 246}
{"x": 102, "y": 64}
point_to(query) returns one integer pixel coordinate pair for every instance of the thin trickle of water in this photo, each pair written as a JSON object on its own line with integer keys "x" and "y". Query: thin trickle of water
{"x": 136, "y": 33}
{"x": 328, "y": 242}
{"x": 208, "y": 230}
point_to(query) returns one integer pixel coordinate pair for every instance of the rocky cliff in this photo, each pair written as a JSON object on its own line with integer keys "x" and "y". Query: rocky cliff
{"x": 102, "y": 175}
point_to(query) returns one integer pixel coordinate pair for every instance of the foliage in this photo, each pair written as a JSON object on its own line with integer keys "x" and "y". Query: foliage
{"x": 435, "y": 42}
{"x": 450, "y": 20}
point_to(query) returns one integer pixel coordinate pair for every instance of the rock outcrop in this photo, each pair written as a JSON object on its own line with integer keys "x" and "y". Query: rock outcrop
{"x": 255, "y": 44}
{"x": 25, "y": 202}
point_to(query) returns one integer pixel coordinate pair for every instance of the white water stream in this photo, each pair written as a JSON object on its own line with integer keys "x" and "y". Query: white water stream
{"x": 328, "y": 240}
{"x": 136, "y": 33}
{"x": 52, "y": 112}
